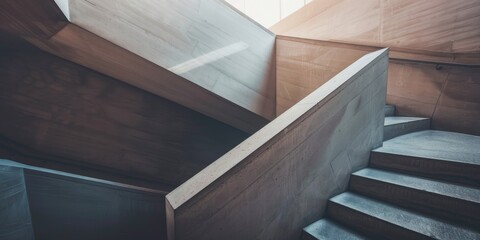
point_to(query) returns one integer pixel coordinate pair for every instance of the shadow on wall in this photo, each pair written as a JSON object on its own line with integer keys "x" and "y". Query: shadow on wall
{"x": 61, "y": 114}
{"x": 38, "y": 203}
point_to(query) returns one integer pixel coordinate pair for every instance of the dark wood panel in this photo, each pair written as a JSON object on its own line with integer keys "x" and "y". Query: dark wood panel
{"x": 61, "y": 114}
{"x": 241, "y": 94}
{"x": 39, "y": 18}
{"x": 82, "y": 47}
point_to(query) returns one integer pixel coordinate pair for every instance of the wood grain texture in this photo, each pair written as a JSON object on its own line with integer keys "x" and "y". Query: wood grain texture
{"x": 224, "y": 99}
{"x": 39, "y": 18}
{"x": 204, "y": 41}
{"x": 82, "y": 47}
{"x": 278, "y": 180}
{"x": 448, "y": 95}
{"x": 438, "y": 26}
{"x": 60, "y": 114}
{"x": 304, "y": 65}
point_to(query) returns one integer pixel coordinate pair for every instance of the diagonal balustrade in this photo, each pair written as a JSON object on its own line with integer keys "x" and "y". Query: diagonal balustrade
{"x": 280, "y": 178}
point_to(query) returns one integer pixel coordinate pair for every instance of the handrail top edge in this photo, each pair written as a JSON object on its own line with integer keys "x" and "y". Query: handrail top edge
{"x": 228, "y": 161}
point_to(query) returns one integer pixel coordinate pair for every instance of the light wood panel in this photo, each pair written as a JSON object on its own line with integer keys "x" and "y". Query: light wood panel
{"x": 439, "y": 26}
{"x": 448, "y": 95}
{"x": 204, "y": 41}
{"x": 60, "y": 114}
{"x": 278, "y": 180}
{"x": 304, "y": 65}
{"x": 439, "y": 90}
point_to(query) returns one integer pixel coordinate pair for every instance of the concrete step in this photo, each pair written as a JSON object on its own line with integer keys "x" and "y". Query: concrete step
{"x": 379, "y": 220}
{"x": 326, "y": 229}
{"x": 397, "y": 126}
{"x": 454, "y": 202}
{"x": 446, "y": 156}
{"x": 389, "y": 110}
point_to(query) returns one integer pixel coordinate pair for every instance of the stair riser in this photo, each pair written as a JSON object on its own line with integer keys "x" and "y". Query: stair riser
{"x": 326, "y": 229}
{"x": 370, "y": 226}
{"x": 307, "y": 236}
{"x": 456, "y": 210}
{"x": 392, "y": 131}
{"x": 441, "y": 170}
{"x": 389, "y": 111}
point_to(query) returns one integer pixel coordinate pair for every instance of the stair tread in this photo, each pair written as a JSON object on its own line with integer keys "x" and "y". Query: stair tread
{"x": 326, "y": 229}
{"x": 434, "y": 144}
{"x": 422, "y": 184}
{"x": 393, "y": 120}
{"x": 398, "y": 126}
{"x": 406, "y": 219}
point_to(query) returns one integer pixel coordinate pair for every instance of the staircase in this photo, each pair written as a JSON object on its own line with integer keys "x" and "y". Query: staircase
{"x": 421, "y": 184}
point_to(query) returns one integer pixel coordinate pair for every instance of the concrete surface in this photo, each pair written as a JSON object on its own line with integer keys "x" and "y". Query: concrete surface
{"x": 421, "y": 185}
{"x": 278, "y": 181}
{"x": 457, "y": 203}
{"x": 66, "y": 206}
{"x": 436, "y": 144}
{"x": 397, "y": 126}
{"x": 326, "y": 229}
{"x": 15, "y": 219}
{"x": 378, "y": 215}
{"x": 389, "y": 110}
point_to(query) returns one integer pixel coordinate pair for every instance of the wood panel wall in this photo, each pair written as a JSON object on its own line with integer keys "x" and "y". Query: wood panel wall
{"x": 304, "y": 65}
{"x": 278, "y": 181}
{"x": 446, "y": 93}
{"x": 41, "y": 19}
{"x": 438, "y": 26}
{"x": 58, "y": 114}
{"x": 449, "y": 95}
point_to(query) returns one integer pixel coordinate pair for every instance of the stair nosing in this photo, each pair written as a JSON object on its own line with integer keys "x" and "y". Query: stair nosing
{"x": 381, "y": 150}
{"x": 400, "y": 209}
{"x": 431, "y": 191}
{"x": 404, "y": 122}
{"x": 336, "y": 224}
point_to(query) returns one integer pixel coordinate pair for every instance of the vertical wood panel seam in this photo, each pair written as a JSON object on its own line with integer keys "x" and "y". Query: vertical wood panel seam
{"x": 444, "y": 85}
